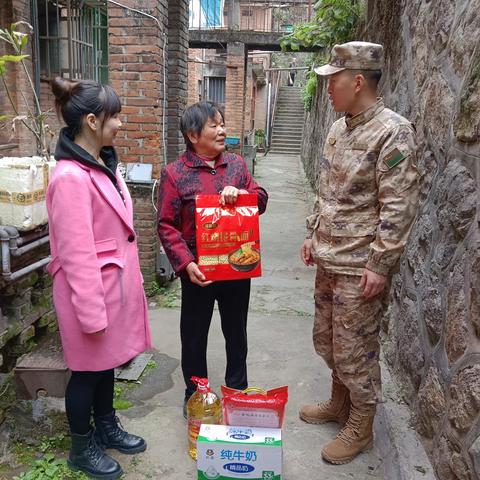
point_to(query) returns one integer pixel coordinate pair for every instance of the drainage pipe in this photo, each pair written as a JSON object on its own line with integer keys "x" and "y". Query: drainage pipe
{"x": 5, "y": 242}
{"x": 29, "y": 237}
{"x": 28, "y": 269}
{"x": 17, "y": 251}
{"x": 9, "y": 240}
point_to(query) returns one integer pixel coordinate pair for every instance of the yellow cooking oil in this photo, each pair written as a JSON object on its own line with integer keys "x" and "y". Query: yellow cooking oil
{"x": 204, "y": 406}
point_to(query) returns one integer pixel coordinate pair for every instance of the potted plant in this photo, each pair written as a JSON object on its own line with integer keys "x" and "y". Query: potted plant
{"x": 23, "y": 180}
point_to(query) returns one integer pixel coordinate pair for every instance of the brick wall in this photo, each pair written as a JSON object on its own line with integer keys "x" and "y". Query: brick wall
{"x": 261, "y": 108}
{"x": 249, "y": 91}
{"x": 136, "y": 66}
{"x": 177, "y": 73}
{"x": 235, "y": 89}
{"x": 194, "y": 75}
{"x": 136, "y": 73}
{"x": 144, "y": 217}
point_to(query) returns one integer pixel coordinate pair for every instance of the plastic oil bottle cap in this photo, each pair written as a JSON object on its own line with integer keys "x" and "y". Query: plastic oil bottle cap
{"x": 202, "y": 384}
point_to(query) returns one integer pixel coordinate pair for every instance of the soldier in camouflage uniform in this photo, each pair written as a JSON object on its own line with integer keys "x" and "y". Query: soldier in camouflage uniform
{"x": 363, "y": 213}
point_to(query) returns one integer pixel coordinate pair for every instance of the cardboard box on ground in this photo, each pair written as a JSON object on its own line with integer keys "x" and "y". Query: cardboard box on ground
{"x": 227, "y": 452}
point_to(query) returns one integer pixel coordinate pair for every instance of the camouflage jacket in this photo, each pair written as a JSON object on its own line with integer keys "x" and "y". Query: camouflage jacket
{"x": 367, "y": 193}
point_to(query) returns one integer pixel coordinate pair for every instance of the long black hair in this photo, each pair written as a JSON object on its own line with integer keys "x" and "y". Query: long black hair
{"x": 75, "y": 99}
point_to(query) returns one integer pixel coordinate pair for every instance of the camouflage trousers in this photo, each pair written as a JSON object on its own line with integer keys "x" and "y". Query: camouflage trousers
{"x": 346, "y": 334}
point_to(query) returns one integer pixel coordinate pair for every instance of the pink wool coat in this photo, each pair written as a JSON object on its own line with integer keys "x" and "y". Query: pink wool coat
{"x": 97, "y": 283}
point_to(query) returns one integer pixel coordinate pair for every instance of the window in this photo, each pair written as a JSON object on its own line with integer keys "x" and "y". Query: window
{"x": 216, "y": 89}
{"x": 72, "y": 37}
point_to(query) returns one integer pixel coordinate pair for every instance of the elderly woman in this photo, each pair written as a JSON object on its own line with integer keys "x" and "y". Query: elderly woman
{"x": 205, "y": 168}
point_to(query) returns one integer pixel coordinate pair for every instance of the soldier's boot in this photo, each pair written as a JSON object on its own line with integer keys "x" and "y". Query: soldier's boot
{"x": 336, "y": 409}
{"x": 355, "y": 437}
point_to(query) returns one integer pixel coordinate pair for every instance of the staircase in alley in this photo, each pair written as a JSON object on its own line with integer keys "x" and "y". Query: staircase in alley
{"x": 288, "y": 122}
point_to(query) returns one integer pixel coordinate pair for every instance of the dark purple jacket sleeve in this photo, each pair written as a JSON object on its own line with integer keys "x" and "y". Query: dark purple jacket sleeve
{"x": 169, "y": 224}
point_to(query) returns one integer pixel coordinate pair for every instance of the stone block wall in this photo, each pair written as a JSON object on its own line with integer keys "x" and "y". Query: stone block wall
{"x": 432, "y": 334}
{"x": 26, "y": 313}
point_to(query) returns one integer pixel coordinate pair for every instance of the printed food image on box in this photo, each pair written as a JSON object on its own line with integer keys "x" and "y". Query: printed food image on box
{"x": 226, "y": 452}
{"x": 228, "y": 238}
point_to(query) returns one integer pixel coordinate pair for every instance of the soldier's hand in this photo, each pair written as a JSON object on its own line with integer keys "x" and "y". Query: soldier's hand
{"x": 372, "y": 283}
{"x": 306, "y": 252}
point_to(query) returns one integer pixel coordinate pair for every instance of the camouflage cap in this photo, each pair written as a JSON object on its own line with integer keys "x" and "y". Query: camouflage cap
{"x": 353, "y": 56}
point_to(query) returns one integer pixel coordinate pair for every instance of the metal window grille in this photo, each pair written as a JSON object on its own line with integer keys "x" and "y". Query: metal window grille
{"x": 72, "y": 37}
{"x": 216, "y": 89}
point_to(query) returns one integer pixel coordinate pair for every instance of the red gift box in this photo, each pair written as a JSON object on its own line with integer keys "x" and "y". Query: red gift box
{"x": 254, "y": 407}
{"x": 228, "y": 238}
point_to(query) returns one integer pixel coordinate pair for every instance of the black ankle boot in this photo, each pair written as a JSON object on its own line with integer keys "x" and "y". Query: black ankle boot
{"x": 110, "y": 434}
{"x": 86, "y": 456}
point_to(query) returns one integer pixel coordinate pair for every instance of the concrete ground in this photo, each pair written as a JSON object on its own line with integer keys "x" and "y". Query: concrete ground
{"x": 280, "y": 352}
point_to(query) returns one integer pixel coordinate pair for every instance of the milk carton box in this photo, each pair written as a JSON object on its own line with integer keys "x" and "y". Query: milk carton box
{"x": 226, "y": 452}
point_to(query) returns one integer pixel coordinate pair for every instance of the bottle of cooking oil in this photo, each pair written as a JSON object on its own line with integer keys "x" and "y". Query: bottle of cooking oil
{"x": 204, "y": 406}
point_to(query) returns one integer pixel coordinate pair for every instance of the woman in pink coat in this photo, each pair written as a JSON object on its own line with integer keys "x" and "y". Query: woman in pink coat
{"x": 97, "y": 283}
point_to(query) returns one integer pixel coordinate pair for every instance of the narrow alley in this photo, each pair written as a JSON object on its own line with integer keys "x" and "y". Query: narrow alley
{"x": 280, "y": 351}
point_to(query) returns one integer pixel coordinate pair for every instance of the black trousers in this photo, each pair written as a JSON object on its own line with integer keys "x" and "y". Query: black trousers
{"x": 196, "y": 315}
{"x": 88, "y": 392}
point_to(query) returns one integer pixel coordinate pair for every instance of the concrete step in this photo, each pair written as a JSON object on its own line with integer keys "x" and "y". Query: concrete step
{"x": 286, "y": 108}
{"x": 289, "y": 101}
{"x": 292, "y": 153}
{"x": 290, "y": 110}
{"x": 289, "y": 132}
{"x": 287, "y": 138}
{"x": 288, "y": 121}
{"x": 288, "y": 114}
{"x": 287, "y": 127}
{"x": 285, "y": 122}
{"x": 276, "y": 148}
{"x": 286, "y": 144}
{"x": 290, "y": 104}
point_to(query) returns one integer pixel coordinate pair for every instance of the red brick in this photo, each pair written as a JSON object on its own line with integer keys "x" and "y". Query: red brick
{"x": 143, "y": 118}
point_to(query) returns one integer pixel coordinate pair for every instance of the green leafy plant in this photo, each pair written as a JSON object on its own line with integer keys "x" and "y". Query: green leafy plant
{"x": 50, "y": 467}
{"x": 309, "y": 91}
{"x": 260, "y": 138}
{"x": 119, "y": 402}
{"x": 335, "y": 22}
{"x": 32, "y": 117}
{"x": 153, "y": 289}
{"x": 57, "y": 443}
